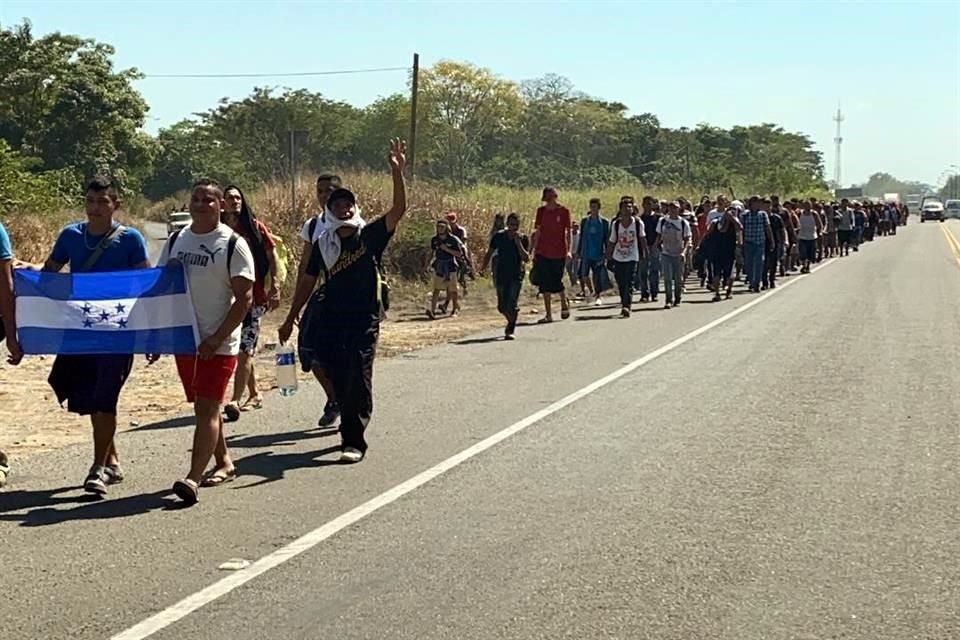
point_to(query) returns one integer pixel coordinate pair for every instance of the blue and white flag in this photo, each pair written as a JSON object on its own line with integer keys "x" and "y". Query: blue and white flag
{"x": 138, "y": 311}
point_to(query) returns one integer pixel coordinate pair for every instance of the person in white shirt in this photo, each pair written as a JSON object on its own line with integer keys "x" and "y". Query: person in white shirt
{"x": 625, "y": 247}
{"x": 674, "y": 238}
{"x": 220, "y": 274}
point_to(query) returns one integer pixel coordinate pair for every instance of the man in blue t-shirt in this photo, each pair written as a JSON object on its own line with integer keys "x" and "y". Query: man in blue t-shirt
{"x": 593, "y": 237}
{"x": 91, "y": 384}
{"x": 8, "y": 326}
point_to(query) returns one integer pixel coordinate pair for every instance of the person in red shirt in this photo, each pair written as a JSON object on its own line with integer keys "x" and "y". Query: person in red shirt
{"x": 551, "y": 250}
{"x": 240, "y": 218}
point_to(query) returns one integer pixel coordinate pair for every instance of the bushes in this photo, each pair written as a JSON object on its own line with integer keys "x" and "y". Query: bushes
{"x": 24, "y": 191}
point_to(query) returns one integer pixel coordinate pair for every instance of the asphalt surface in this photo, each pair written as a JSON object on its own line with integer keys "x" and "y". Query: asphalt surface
{"x": 790, "y": 473}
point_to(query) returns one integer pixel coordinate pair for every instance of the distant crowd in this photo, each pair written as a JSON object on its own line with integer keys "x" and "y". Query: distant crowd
{"x": 658, "y": 243}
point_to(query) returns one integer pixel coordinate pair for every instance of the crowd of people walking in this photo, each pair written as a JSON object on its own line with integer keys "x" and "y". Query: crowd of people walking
{"x": 341, "y": 296}
{"x": 657, "y": 246}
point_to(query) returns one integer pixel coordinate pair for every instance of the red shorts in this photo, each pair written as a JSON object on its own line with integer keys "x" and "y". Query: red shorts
{"x": 206, "y": 379}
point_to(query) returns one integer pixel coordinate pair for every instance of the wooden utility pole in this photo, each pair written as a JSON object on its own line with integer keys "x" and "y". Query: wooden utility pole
{"x": 293, "y": 172}
{"x": 412, "y": 142}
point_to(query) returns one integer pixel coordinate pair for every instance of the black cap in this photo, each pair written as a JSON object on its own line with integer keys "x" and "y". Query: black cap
{"x": 342, "y": 194}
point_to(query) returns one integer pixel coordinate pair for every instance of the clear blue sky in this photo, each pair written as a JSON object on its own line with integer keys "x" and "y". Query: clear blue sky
{"x": 893, "y": 66}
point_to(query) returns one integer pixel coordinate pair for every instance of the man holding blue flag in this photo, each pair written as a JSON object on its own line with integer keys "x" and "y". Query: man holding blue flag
{"x": 91, "y": 384}
{"x": 8, "y": 326}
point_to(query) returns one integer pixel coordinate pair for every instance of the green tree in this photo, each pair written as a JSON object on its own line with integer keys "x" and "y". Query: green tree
{"x": 467, "y": 108}
{"x": 62, "y": 101}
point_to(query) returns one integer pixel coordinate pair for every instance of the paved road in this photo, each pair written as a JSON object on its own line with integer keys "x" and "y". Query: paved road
{"x": 155, "y": 233}
{"x": 788, "y": 473}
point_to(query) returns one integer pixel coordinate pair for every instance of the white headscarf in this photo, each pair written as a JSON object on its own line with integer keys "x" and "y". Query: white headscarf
{"x": 328, "y": 240}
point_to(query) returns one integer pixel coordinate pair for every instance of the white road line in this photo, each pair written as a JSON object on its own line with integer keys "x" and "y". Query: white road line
{"x": 222, "y": 587}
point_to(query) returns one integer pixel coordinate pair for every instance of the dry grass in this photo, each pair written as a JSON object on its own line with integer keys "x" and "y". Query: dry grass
{"x": 408, "y": 256}
{"x": 33, "y": 236}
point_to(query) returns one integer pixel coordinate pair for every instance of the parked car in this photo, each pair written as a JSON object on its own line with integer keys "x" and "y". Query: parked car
{"x": 951, "y": 209}
{"x": 932, "y": 210}
{"x": 178, "y": 220}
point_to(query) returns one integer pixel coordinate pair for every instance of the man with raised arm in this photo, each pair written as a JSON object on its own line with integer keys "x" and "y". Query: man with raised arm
{"x": 341, "y": 326}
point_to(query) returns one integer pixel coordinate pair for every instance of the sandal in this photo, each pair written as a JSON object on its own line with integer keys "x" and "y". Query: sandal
{"x": 544, "y": 320}
{"x": 252, "y": 403}
{"x": 187, "y": 490}
{"x": 219, "y": 477}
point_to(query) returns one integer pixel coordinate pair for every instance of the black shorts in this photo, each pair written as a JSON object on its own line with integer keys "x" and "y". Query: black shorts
{"x": 845, "y": 237}
{"x": 808, "y": 250}
{"x": 90, "y": 383}
{"x": 550, "y": 273}
{"x": 723, "y": 266}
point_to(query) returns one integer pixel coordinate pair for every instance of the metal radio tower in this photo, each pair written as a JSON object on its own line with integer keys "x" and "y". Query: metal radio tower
{"x": 838, "y": 141}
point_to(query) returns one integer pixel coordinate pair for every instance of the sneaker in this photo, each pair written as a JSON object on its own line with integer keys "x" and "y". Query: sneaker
{"x": 598, "y": 301}
{"x": 625, "y": 313}
{"x": 509, "y": 336}
{"x": 666, "y": 306}
{"x": 351, "y": 455}
{"x": 96, "y": 481}
{"x": 114, "y": 473}
{"x": 644, "y": 298}
{"x": 331, "y": 413}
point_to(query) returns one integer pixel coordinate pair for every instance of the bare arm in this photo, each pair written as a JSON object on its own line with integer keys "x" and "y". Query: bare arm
{"x": 8, "y": 311}
{"x": 304, "y": 259}
{"x": 52, "y": 266}
{"x": 305, "y": 286}
{"x": 398, "y": 160}
{"x": 242, "y": 299}
{"x": 524, "y": 254}
{"x": 487, "y": 257}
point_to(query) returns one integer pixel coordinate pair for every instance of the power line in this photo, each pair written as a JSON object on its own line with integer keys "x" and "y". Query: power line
{"x": 274, "y": 75}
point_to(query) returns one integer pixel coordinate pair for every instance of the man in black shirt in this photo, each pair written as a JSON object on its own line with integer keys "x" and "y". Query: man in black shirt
{"x": 648, "y": 269}
{"x": 512, "y": 251}
{"x": 342, "y": 322}
{"x": 775, "y": 249}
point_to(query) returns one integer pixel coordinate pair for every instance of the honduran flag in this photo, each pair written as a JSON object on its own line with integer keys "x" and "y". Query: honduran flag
{"x": 138, "y": 311}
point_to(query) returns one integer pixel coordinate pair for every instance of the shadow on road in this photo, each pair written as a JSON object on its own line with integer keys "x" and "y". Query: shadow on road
{"x": 172, "y": 423}
{"x": 265, "y": 440}
{"x": 478, "y": 340}
{"x": 271, "y": 467}
{"x": 42, "y": 512}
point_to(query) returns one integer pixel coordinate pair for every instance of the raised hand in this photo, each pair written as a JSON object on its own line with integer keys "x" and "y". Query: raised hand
{"x": 398, "y": 155}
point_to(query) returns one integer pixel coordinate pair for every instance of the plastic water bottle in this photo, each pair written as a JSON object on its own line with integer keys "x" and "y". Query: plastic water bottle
{"x": 286, "y": 370}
